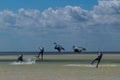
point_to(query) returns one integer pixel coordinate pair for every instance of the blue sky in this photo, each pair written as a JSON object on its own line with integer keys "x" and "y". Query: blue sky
{"x": 26, "y": 25}
{"x": 44, "y": 4}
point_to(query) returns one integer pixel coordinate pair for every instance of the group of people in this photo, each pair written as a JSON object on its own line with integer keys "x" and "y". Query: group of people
{"x": 76, "y": 49}
{"x": 20, "y": 56}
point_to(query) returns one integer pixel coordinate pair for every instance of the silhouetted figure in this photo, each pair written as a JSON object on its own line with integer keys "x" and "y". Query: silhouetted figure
{"x": 58, "y": 47}
{"x": 41, "y": 53}
{"x": 20, "y": 58}
{"x": 98, "y": 59}
{"x": 78, "y": 49}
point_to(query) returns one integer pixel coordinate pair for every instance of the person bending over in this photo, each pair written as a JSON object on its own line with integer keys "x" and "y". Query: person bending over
{"x": 20, "y": 58}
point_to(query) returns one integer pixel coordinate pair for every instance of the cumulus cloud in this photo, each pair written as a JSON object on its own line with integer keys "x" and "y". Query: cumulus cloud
{"x": 66, "y": 22}
{"x": 108, "y": 11}
{"x": 34, "y": 21}
{"x": 105, "y": 13}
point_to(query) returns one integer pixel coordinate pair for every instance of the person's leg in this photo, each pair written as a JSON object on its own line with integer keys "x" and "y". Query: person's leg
{"x": 21, "y": 59}
{"x": 18, "y": 60}
{"x": 94, "y": 60}
{"x": 98, "y": 62}
{"x": 59, "y": 49}
{"x": 38, "y": 55}
{"x": 42, "y": 56}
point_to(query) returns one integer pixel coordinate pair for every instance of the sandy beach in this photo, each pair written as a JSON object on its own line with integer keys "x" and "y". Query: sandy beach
{"x": 61, "y": 67}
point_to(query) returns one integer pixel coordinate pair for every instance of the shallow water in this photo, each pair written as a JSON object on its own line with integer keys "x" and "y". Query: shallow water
{"x": 53, "y": 68}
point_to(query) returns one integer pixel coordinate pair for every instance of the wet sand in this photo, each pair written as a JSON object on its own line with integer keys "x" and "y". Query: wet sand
{"x": 53, "y": 68}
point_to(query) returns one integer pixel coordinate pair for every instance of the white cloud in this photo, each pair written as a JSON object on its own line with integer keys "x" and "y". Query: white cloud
{"x": 70, "y": 22}
{"x": 107, "y": 12}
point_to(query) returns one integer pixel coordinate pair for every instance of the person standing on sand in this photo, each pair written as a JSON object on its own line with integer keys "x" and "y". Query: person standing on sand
{"x": 40, "y": 53}
{"x": 100, "y": 54}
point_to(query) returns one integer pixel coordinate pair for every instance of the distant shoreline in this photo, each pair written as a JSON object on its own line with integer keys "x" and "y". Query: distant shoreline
{"x": 53, "y": 53}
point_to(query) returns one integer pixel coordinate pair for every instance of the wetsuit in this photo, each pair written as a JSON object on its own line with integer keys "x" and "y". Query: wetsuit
{"x": 20, "y": 58}
{"x": 98, "y": 59}
{"x": 41, "y": 53}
